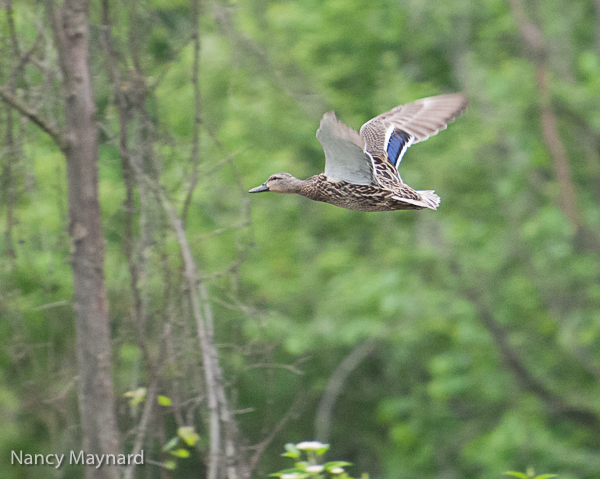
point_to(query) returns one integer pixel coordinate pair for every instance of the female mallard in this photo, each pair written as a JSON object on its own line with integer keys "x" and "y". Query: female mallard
{"x": 361, "y": 169}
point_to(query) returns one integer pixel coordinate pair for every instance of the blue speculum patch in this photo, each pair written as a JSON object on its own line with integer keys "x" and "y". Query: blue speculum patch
{"x": 397, "y": 145}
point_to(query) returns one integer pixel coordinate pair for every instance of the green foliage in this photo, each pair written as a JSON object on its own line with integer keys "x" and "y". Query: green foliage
{"x": 312, "y": 466}
{"x": 529, "y": 474}
{"x": 189, "y": 437}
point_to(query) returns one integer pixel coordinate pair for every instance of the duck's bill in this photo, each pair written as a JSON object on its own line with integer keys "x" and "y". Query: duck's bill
{"x": 259, "y": 189}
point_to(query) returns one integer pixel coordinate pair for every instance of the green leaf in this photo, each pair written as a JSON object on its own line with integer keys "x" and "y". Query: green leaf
{"x": 332, "y": 464}
{"x": 138, "y": 396}
{"x": 170, "y": 465}
{"x": 323, "y": 450}
{"x": 184, "y": 453}
{"x": 291, "y": 451}
{"x": 188, "y": 434}
{"x": 546, "y": 476}
{"x": 520, "y": 475}
{"x": 296, "y": 473}
{"x": 163, "y": 400}
{"x": 171, "y": 444}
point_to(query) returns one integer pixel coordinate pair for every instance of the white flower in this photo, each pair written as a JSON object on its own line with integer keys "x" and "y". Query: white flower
{"x": 315, "y": 469}
{"x": 293, "y": 475}
{"x": 310, "y": 445}
{"x": 336, "y": 470}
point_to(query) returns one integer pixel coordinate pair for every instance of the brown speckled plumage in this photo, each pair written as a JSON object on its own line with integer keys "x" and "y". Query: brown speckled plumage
{"x": 361, "y": 169}
{"x": 352, "y": 197}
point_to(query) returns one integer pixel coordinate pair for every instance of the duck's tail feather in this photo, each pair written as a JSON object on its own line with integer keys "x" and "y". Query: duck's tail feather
{"x": 427, "y": 199}
{"x": 430, "y": 199}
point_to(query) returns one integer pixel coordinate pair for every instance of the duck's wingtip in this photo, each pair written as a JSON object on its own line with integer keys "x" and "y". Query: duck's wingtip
{"x": 327, "y": 122}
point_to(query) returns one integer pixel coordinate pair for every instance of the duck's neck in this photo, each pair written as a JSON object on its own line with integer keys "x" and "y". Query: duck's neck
{"x": 310, "y": 187}
{"x": 295, "y": 185}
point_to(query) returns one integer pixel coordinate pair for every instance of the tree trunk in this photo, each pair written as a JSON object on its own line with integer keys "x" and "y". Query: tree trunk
{"x": 96, "y": 397}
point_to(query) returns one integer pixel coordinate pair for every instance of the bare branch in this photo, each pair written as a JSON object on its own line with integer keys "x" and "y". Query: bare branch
{"x": 11, "y": 28}
{"x": 291, "y": 413}
{"x": 63, "y": 393}
{"x": 203, "y": 335}
{"x": 195, "y": 154}
{"x": 24, "y": 59}
{"x": 143, "y": 426}
{"x": 557, "y": 149}
{"x": 159, "y": 77}
{"x": 288, "y": 367}
{"x": 335, "y": 385}
{"x": 55, "y": 304}
{"x": 34, "y": 117}
{"x": 532, "y": 35}
{"x": 297, "y": 86}
{"x": 128, "y": 168}
{"x": 9, "y": 180}
{"x": 597, "y": 9}
{"x": 175, "y": 395}
{"x": 555, "y": 403}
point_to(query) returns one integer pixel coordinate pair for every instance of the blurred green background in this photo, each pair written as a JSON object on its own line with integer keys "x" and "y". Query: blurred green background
{"x": 484, "y": 317}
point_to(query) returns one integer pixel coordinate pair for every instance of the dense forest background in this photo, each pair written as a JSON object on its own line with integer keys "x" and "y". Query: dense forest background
{"x": 452, "y": 344}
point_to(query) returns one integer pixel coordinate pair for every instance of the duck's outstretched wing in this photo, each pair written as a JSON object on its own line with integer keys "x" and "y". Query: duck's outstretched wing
{"x": 345, "y": 156}
{"x": 390, "y": 134}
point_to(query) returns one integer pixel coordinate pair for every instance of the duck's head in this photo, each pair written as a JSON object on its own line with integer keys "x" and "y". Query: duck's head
{"x": 279, "y": 183}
